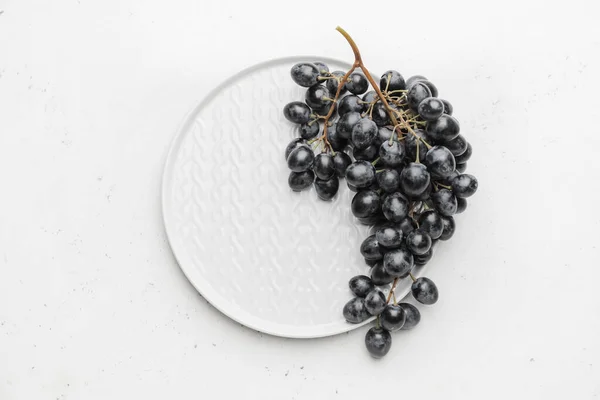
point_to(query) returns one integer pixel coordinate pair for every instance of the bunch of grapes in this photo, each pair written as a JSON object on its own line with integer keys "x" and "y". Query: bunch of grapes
{"x": 400, "y": 149}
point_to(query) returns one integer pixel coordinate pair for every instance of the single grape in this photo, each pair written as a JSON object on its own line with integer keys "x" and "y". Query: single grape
{"x": 367, "y": 154}
{"x": 461, "y": 205}
{"x": 411, "y": 145}
{"x": 318, "y": 97}
{"x": 416, "y": 94}
{"x": 444, "y": 202}
{"x": 431, "y": 86}
{"x": 341, "y": 161}
{"x": 297, "y": 112}
{"x": 464, "y": 157}
{"x": 371, "y": 263}
{"x": 364, "y": 133}
{"x": 301, "y": 159}
{"x": 347, "y": 122}
{"x": 464, "y": 185}
{"x": 294, "y": 144}
{"x": 444, "y": 129}
{"x": 383, "y": 135}
{"x": 370, "y": 249}
{"x": 440, "y": 161}
{"x": 392, "y": 81}
{"x": 365, "y": 204}
{"x": 361, "y": 174}
{"x": 448, "y": 109}
{"x": 431, "y": 222}
{"x": 392, "y": 154}
{"x": 337, "y": 142}
{"x": 379, "y": 275}
{"x": 323, "y": 166}
{"x": 392, "y": 318}
{"x": 389, "y": 237}
{"x": 457, "y": 146}
{"x": 333, "y": 84}
{"x": 418, "y": 242}
{"x": 380, "y": 115}
{"x": 398, "y": 262}
{"x": 426, "y": 195}
{"x": 461, "y": 167}
{"x": 301, "y": 180}
{"x": 327, "y": 189}
{"x": 309, "y": 130}
{"x": 431, "y": 108}
{"x": 407, "y": 225}
{"x": 449, "y": 228}
{"x": 378, "y": 342}
{"x": 424, "y": 291}
{"x": 375, "y": 302}
{"x": 361, "y": 285}
{"x": 357, "y": 83}
{"x": 322, "y": 67}
{"x": 350, "y": 103}
{"x": 389, "y": 180}
{"x": 369, "y": 97}
{"x": 355, "y": 311}
{"x": 414, "y": 179}
{"x": 395, "y": 207}
{"x": 423, "y": 259}
{"x": 305, "y": 74}
{"x": 413, "y": 79}
{"x": 325, "y": 110}
{"x": 413, "y": 316}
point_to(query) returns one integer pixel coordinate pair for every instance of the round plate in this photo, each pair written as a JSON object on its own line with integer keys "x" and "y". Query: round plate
{"x": 272, "y": 259}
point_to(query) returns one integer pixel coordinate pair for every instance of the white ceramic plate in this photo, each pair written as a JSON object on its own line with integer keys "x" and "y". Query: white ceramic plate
{"x": 272, "y": 259}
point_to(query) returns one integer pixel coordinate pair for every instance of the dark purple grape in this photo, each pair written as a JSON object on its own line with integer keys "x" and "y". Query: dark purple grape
{"x": 335, "y": 140}
{"x": 305, "y": 74}
{"x": 365, "y": 204}
{"x": 395, "y": 207}
{"x": 392, "y": 318}
{"x": 449, "y": 228}
{"x": 361, "y": 174}
{"x": 379, "y": 276}
{"x": 297, "y": 112}
{"x": 448, "y": 109}
{"x": 425, "y": 291}
{"x": 301, "y": 180}
{"x": 301, "y": 159}
{"x": 361, "y": 285}
{"x": 371, "y": 263}
{"x": 407, "y": 225}
{"x": 413, "y": 316}
{"x": 318, "y": 97}
{"x": 368, "y": 154}
{"x": 294, "y": 144}
{"x": 369, "y": 97}
{"x": 323, "y": 166}
{"x": 364, "y": 133}
{"x": 414, "y": 179}
{"x": 416, "y": 94}
{"x": 392, "y": 81}
{"x": 389, "y": 237}
{"x": 332, "y": 84}
{"x": 457, "y": 146}
{"x": 370, "y": 249}
{"x": 464, "y": 185}
{"x": 383, "y": 135}
{"x": 350, "y": 103}
{"x": 380, "y": 115}
{"x": 439, "y": 161}
{"x": 465, "y": 156}
{"x": 443, "y": 129}
{"x": 413, "y": 79}
{"x": 341, "y": 161}
{"x": 309, "y": 130}
{"x": 355, "y": 311}
{"x": 357, "y": 83}
{"x": 378, "y": 342}
{"x": 431, "y": 222}
{"x": 425, "y": 195}
{"x": 431, "y": 86}
{"x": 461, "y": 205}
{"x": 431, "y": 108}
{"x": 322, "y": 67}
{"x": 444, "y": 202}
{"x": 411, "y": 145}
{"x": 375, "y": 301}
{"x": 418, "y": 242}
{"x": 392, "y": 154}
{"x": 327, "y": 189}
{"x": 389, "y": 180}
{"x": 347, "y": 122}
{"x": 398, "y": 262}
{"x": 461, "y": 168}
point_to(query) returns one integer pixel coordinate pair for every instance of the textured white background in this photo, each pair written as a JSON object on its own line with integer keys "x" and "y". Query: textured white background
{"x": 92, "y": 304}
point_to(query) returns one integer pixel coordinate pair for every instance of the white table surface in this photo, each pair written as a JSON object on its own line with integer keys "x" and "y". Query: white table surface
{"x": 92, "y": 303}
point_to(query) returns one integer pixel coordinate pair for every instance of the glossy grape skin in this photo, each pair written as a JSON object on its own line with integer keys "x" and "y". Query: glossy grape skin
{"x": 413, "y": 316}
{"x": 416, "y": 94}
{"x": 361, "y": 174}
{"x": 389, "y": 237}
{"x": 297, "y": 112}
{"x": 357, "y": 83}
{"x": 457, "y": 146}
{"x": 355, "y": 311}
{"x": 398, "y": 262}
{"x": 293, "y": 145}
{"x": 305, "y": 74}
{"x": 383, "y": 135}
{"x": 325, "y": 110}
{"x": 440, "y": 161}
{"x": 316, "y": 97}
{"x": 461, "y": 205}
{"x": 361, "y": 285}
{"x": 301, "y": 180}
{"x": 378, "y": 342}
{"x": 426, "y": 195}
{"x": 337, "y": 142}
{"x": 413, "y": 79}
{"x": 347, "y": 122}
{"x": 431, "y": 222}
{"x": 392, "y": 318}
{"x": 443, "y": 129}
{"x": 350, "y": 103}
{"x": 323, "y": 166}
{"x": 375, "y": 302}
{"x": 364, "y": 133}
{"x": 321, "y": 67}
{"x": 380, "y": 115}
{"x": 389, "y": 180}
{"x": 461, "y": 168}
{"x": 464, "y": 185}
{"x": 425, "y": 291}
{"x": 368, "y": 154}
{"x": 371, "y": 263}
{"x": 301, "y": 159}
{"x": 327, "y": 189}
{"x": 332, "y": 84}
{"x": 431, "y": 108}
{"x": 365, "y": 204}
{"x": 431, "y": 86}
{"x": 411, "y": 145}
{"x": 309, "y": 130}
{"x": 395, "y": 207}
{"x": 444, "y": 202}
{"x": 392, "y": 154}
{"x": 414, "y": 179}
{"x": 341, "y": 161}
{"x": 418, "y": 242}
{"x": 370, "y": 97}
{"x": 407, "y": 225}
{"x": 423, "y": 259}
{"x": 392, "y": 80}
{"x": 448, "y": 109}
{"x": 449, "y": 228}
{"x": 465, "y": 156}
{"x": 370, "y": 249}
{"x": 379, "y": 275}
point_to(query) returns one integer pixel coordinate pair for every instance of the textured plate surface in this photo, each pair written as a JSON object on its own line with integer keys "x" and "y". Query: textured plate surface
{"x": 272, "y": 259}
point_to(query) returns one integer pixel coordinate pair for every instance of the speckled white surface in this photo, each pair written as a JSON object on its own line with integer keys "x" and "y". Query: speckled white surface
{"x": 92, "y": 303}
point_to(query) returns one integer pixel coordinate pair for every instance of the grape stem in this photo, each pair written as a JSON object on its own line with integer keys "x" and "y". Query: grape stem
{"x": 392, "y": 291}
